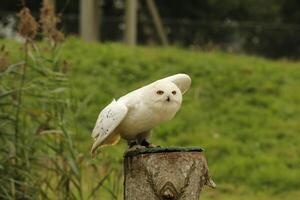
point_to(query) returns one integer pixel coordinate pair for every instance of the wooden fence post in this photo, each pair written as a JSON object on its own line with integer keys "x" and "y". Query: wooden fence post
{"x": 165, "y": 174}
{"x": 131, "y": 22}
{"x": 90, "y": 14}
{"x": 157, "y": 22}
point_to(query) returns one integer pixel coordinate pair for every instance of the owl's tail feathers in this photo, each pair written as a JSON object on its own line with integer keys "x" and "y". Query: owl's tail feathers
{"x": 112, "y": 140}
{"x": 93, "y": 150}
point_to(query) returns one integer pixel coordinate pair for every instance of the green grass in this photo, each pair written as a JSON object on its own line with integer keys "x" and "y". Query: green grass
{"x": 244, "y": 110}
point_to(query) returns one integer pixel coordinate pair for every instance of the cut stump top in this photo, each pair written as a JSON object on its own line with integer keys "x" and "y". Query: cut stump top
{"x": 162, "y": 150}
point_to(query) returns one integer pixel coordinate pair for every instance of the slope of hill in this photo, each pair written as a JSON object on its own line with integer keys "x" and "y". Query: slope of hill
{"x": 244, "y": 110}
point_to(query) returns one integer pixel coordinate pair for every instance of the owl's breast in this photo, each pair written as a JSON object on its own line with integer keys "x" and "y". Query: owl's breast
{"x": 141, "y": 118}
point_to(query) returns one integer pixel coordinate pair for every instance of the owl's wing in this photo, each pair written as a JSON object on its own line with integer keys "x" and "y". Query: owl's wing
{"x": 109, "y": 118}
{"x": 183, "y": 81}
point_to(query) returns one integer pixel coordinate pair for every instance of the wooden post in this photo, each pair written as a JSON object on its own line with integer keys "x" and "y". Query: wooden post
{"x": 165, "y": 174}
{"x": 157, "y": 22}
{"x": 90, "y": 19}
{"x": 131, "y": 22}
{"x": 53, "y": 2}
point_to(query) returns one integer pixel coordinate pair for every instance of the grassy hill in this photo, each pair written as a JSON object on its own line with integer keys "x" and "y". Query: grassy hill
{"x": 243, "y": 110}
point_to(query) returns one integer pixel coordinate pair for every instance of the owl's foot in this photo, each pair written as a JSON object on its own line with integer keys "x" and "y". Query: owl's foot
{"x": 135, "y": 147}
{"x": 146, "y": 144}
{"x": 131, "y": 144}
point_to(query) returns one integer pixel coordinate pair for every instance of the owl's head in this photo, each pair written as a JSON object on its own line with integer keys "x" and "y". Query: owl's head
{"x": 166, "y": 93}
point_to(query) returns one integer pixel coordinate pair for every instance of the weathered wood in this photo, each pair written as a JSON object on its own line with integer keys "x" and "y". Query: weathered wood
{"x": 90, "y": 13}
{"x": 157, "y": 22}
{"x": 165, "y": 174}
{"x": 131, "y": 22}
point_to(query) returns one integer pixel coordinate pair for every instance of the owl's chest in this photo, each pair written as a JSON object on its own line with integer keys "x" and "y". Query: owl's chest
{"x": 143, "y": 118}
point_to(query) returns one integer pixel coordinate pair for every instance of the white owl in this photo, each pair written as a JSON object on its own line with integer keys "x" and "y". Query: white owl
{"x": 134, "y": 115}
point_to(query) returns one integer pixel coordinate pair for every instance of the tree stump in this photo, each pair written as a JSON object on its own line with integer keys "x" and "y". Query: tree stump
{"x": 165, "y": 174}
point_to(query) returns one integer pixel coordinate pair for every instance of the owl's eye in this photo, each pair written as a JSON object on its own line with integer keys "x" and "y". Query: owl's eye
{"x": 159, "y": 92}
{"x": 174, "y": 92}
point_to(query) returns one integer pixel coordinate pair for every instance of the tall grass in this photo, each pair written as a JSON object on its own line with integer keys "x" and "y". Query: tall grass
{"x": 38, "y": 116}
{"x": 38, "y": 158}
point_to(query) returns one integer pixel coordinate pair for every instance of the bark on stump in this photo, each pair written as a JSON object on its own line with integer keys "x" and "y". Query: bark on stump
{"x": 165, "y": 174}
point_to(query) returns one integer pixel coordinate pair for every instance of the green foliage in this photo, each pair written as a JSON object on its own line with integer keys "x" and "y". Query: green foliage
{"x": 38, "y": 159}
{"x": 243, "y": 110}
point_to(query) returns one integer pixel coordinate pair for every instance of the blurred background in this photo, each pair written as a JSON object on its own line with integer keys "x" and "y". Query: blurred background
{"x": 268, "y": 28}
{"x": 61, "y": 62}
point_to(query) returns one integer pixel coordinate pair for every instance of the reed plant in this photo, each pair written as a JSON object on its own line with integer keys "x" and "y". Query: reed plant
{"x": 38, "y": 159}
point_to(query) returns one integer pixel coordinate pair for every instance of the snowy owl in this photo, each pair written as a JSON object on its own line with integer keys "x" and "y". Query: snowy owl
{"x": 134, "y": 115}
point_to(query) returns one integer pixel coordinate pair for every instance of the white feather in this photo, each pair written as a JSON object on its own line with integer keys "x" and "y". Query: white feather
{"x": 109, "y": 118}
{"x": 183, "y": 81}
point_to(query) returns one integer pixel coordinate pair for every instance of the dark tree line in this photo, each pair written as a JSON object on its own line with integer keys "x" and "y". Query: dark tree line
{"x": 266, "y": 27}
{"x": 269, "y": 27}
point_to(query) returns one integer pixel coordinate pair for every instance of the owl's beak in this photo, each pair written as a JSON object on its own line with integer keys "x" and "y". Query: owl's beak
{"x": 168, "y": 99}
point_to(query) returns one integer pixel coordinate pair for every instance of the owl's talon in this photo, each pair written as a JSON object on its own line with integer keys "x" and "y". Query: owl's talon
{"x": 135, "y": 148}
{"x": 132, "y": 144}
{"x": 146, "y": 144}
{"x": 152, "y": 146}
